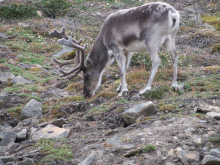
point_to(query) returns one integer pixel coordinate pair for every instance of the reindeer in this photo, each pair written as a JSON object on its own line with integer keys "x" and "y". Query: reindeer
{"x": 139, "y": 29}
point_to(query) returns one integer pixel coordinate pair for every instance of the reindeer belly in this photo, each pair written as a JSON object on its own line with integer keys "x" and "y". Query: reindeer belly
{"x": 136, "y": 46}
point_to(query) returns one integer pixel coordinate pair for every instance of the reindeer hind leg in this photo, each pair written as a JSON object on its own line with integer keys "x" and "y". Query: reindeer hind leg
{"x": 170, "y": 47}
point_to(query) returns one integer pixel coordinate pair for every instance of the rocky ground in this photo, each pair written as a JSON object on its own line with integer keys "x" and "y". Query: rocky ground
{"x": 44, "y": 119}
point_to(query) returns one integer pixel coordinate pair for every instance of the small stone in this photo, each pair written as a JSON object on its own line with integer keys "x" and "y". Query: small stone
{"x": 6, "y": 159}
{"x": 215, "y": 152}
{"x": 114, "y": 141}
{"x": 20, "y": 80}
{"x": 89, "y": 160}
{"x": 6, "y": 77}
{"x": 28, "y": 161}
{"x": 198, "y": 140}
{"x": 211, "y": 133}
{"x": 21, "y": 136}
{"x": 58, "y": 122}
{"x": 3, "y": 37}
{"x": 189, "y": 122}
{"x": 171, "y": 152}
{"x": 145, "y": 109}
{"x": 185, "y": 147}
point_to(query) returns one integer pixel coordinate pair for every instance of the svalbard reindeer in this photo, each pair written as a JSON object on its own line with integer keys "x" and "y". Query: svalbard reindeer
{"x": 138, "y": 29}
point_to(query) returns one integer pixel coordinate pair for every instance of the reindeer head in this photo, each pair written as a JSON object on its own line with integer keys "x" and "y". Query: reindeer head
{"x": 92, "y": 77}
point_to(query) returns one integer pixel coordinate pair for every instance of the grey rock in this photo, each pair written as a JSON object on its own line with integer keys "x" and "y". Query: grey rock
{"x": 8, "y": 138}
{"x": 215, "y": 152}
{"x": 1, "y": 162}
{"x": 11, "y": 163}
{"x": 114, "y": 141}
{"x": 4, "y": 47}
{"x": 20, "y": 80}
{"x": 26, "y": 162}
{"x": 50, "y": 131}
{"x": 6, "y": 159}
{"x": 124, "y": 148}
{"x": 6, "y": 77}
{"x": 145, "y": 109}
{"x": 207, "y": 108}
{"x": 90, "y": 160}
{"x": 21, "y": 136}
{"x": 210, "y": 160}
{"x": 168, "y": 163}
{"x": 65, "y": 49}
{"x": 58, "y": 122}
{"x": 188, "y": 156}
{"x": 3, "y": 149}
{"x": 32, "y": 109}
{"x": 213, "y": 115}
{"x": 30, "y": 122}
{"x": 3, "y": 37}
{"x": 189, "y": 122}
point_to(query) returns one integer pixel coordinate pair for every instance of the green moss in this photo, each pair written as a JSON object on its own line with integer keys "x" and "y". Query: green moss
{"x": 17, "y": 11}
{"x": 53, "y": 151}
{"x": 215, "y": 48}
{"x": 213, "y": 20}
{"x": 69, "y": 56}
{"x": 148, "y": 148}
{"x": 157, "y": 93}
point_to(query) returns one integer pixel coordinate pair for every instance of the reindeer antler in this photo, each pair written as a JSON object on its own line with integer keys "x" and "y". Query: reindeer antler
{"x": 81, "y": 66}
{"x": 71, "y": 42}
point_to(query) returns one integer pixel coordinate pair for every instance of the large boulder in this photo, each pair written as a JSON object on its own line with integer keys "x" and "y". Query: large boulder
{"x": 32, "y": 109}
{"x": 145, "y": 109}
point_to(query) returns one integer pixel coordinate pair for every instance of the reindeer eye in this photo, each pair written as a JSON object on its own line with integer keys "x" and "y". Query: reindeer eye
{"x": 86, "y": 76}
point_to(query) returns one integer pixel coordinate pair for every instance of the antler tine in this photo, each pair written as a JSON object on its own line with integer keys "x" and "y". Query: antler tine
{"x": 57, "y": 34}
{"x": 71, "y": 44}
{"x": 60, "y": 64}
{"x": 65, "y": 73}
{"x": 63, "y": 34}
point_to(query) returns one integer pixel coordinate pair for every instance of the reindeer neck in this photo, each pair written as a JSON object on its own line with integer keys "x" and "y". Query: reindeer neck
{"x": 99, "y": 54}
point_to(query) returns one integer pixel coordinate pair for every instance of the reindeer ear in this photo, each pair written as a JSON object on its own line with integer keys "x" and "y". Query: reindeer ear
{"x": 88, "y": 63}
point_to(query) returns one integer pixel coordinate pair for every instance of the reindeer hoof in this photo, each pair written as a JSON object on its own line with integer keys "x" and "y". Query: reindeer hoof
{"x": 143, "y": 91}
{"x": 178, "y": 87}
{"x": 123, "y": 94}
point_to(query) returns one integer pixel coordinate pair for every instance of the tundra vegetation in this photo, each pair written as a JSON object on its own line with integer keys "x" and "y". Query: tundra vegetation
{"x": 28, "y": 53}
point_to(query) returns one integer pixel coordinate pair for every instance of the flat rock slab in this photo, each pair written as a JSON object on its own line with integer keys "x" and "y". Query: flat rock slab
{"x": 207, "y": 108}
{"x": 213, "y": 115}
{"x": 32, "y": 109}
{"x": 50, "y": 131}
{"x": 145, "y": 109}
